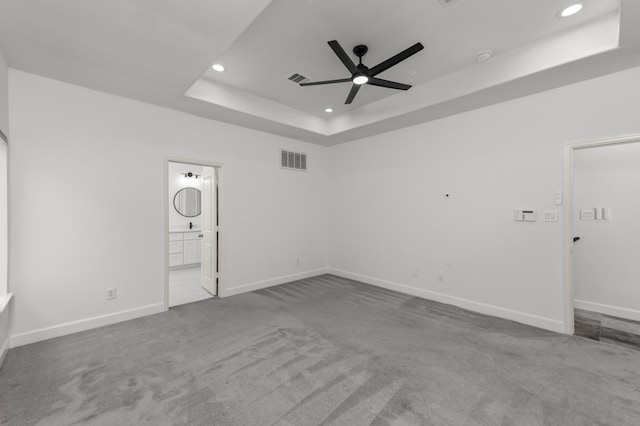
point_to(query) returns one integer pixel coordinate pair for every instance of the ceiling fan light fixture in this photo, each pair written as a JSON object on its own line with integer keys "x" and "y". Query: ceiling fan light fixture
{"x": 360, "y": 79}
{"x": 570, "y": 10}
{"x": 218, "y": 67}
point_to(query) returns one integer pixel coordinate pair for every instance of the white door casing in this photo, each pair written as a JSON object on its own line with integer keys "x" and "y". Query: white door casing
{"x": 209, "y": 238}
{"x": 567, "y": 220}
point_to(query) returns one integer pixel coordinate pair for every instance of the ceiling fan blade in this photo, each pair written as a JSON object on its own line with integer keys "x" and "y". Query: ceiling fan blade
{"x": 346, "y": 60}
{"x": 352, "y": 93}
{"x": 382, "y": 66}
{"x": 386, "y": 83}
{"x": 315, "y": 83}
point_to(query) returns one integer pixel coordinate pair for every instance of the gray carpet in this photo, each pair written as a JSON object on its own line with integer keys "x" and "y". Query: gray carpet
{"x": 320, "y": 351}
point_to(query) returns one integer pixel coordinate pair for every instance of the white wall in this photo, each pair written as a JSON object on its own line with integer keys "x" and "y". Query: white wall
{"x": 606, "y": 266}
{"x": 87, "y": 205}
{"x": 178, "y": 181}
{"x": 5, "y": 298}
{"x": 390, "y": 213}
{"x": 4, "y": 249}
{"x": 4, "y": 126}
{"x": 4, "y": 96}
{"x": 86, "y": 202}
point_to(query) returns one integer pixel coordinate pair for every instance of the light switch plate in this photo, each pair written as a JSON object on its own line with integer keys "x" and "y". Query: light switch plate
{"x": 550, "y": 216}
{"x": 587, "y": 214}
{"x": 557, "y": 198}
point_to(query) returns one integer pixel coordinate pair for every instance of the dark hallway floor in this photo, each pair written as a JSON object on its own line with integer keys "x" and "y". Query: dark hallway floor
{"x": 607, "y": 329}
{"x": 324, "y": 350}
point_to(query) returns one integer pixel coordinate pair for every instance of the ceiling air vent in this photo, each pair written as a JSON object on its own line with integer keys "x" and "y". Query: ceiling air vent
{"x": 446, "y": 3}
{"x": 293, "y": 160}
{"x": 297, "y": 78}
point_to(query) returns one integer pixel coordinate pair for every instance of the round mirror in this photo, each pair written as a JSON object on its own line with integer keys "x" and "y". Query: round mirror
{"x": 187, "y": 202}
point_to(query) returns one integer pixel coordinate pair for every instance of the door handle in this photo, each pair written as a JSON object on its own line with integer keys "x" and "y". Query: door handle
{"x": 200, "y": 236}
{"x": 576, "y": 239}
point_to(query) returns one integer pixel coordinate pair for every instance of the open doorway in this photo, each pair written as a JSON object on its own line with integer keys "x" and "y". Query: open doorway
{"x": 605, "y": 297}
{"x": 191, "y": 227}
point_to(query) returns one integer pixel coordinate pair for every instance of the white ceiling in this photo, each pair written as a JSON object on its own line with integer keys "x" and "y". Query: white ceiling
{"x": 160, "y": 51}
{"x": 291, "y": 36}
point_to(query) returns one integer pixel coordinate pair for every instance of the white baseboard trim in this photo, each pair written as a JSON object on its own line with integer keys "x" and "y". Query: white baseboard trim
{"x": 5, "y": 299}
{"x": 614, "y": 311}
{"x": 3, "y": 350}
{"x": 245, "y": 288}
{"x": 483, "y": 308}
{"x": 34, "y": 336}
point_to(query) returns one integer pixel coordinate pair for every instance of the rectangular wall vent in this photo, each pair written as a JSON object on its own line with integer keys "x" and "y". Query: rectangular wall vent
{"x": 293, "y": 160}
{"x": 297, "y": 78}
{"x": 446, "y": 3}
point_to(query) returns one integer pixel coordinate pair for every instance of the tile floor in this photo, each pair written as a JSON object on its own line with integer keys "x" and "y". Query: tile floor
{"x": 184, "y": 286}
{"x": 608, "y": 329}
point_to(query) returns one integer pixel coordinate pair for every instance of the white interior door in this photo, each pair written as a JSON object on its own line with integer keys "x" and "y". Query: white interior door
{"x": 606, "y": 181}
{"x": 209, "y": 231}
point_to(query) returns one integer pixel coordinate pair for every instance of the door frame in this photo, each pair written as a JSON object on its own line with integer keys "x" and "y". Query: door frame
{"x": 567, "y": 214}
{"x": 220, "y": 208}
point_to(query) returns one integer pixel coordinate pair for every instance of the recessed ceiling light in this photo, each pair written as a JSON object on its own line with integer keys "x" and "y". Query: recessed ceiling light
{"x": 218, "y": 67}
{"x": 483, "y": 56}
{"x": 328, "y": 110}
{"x": 570, "y": 10}
{"x": 361, "y": 79}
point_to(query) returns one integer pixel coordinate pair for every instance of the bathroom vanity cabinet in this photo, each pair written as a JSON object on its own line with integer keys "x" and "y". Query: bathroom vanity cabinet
{"x": 184, "y": 248}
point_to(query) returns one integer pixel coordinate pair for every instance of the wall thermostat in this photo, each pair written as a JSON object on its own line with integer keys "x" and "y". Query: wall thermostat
{"x": 525, "y": 215}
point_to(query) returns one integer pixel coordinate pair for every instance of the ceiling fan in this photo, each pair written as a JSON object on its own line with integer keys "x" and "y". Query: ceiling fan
{"x": 361, "y": 74}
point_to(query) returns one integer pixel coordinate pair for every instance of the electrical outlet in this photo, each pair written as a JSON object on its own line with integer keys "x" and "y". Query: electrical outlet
{"x": 111, "y": 294}
{"x": 415, "y": 272}
{"x": 298, "y": 262}
{"x": 441, "y": 278}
